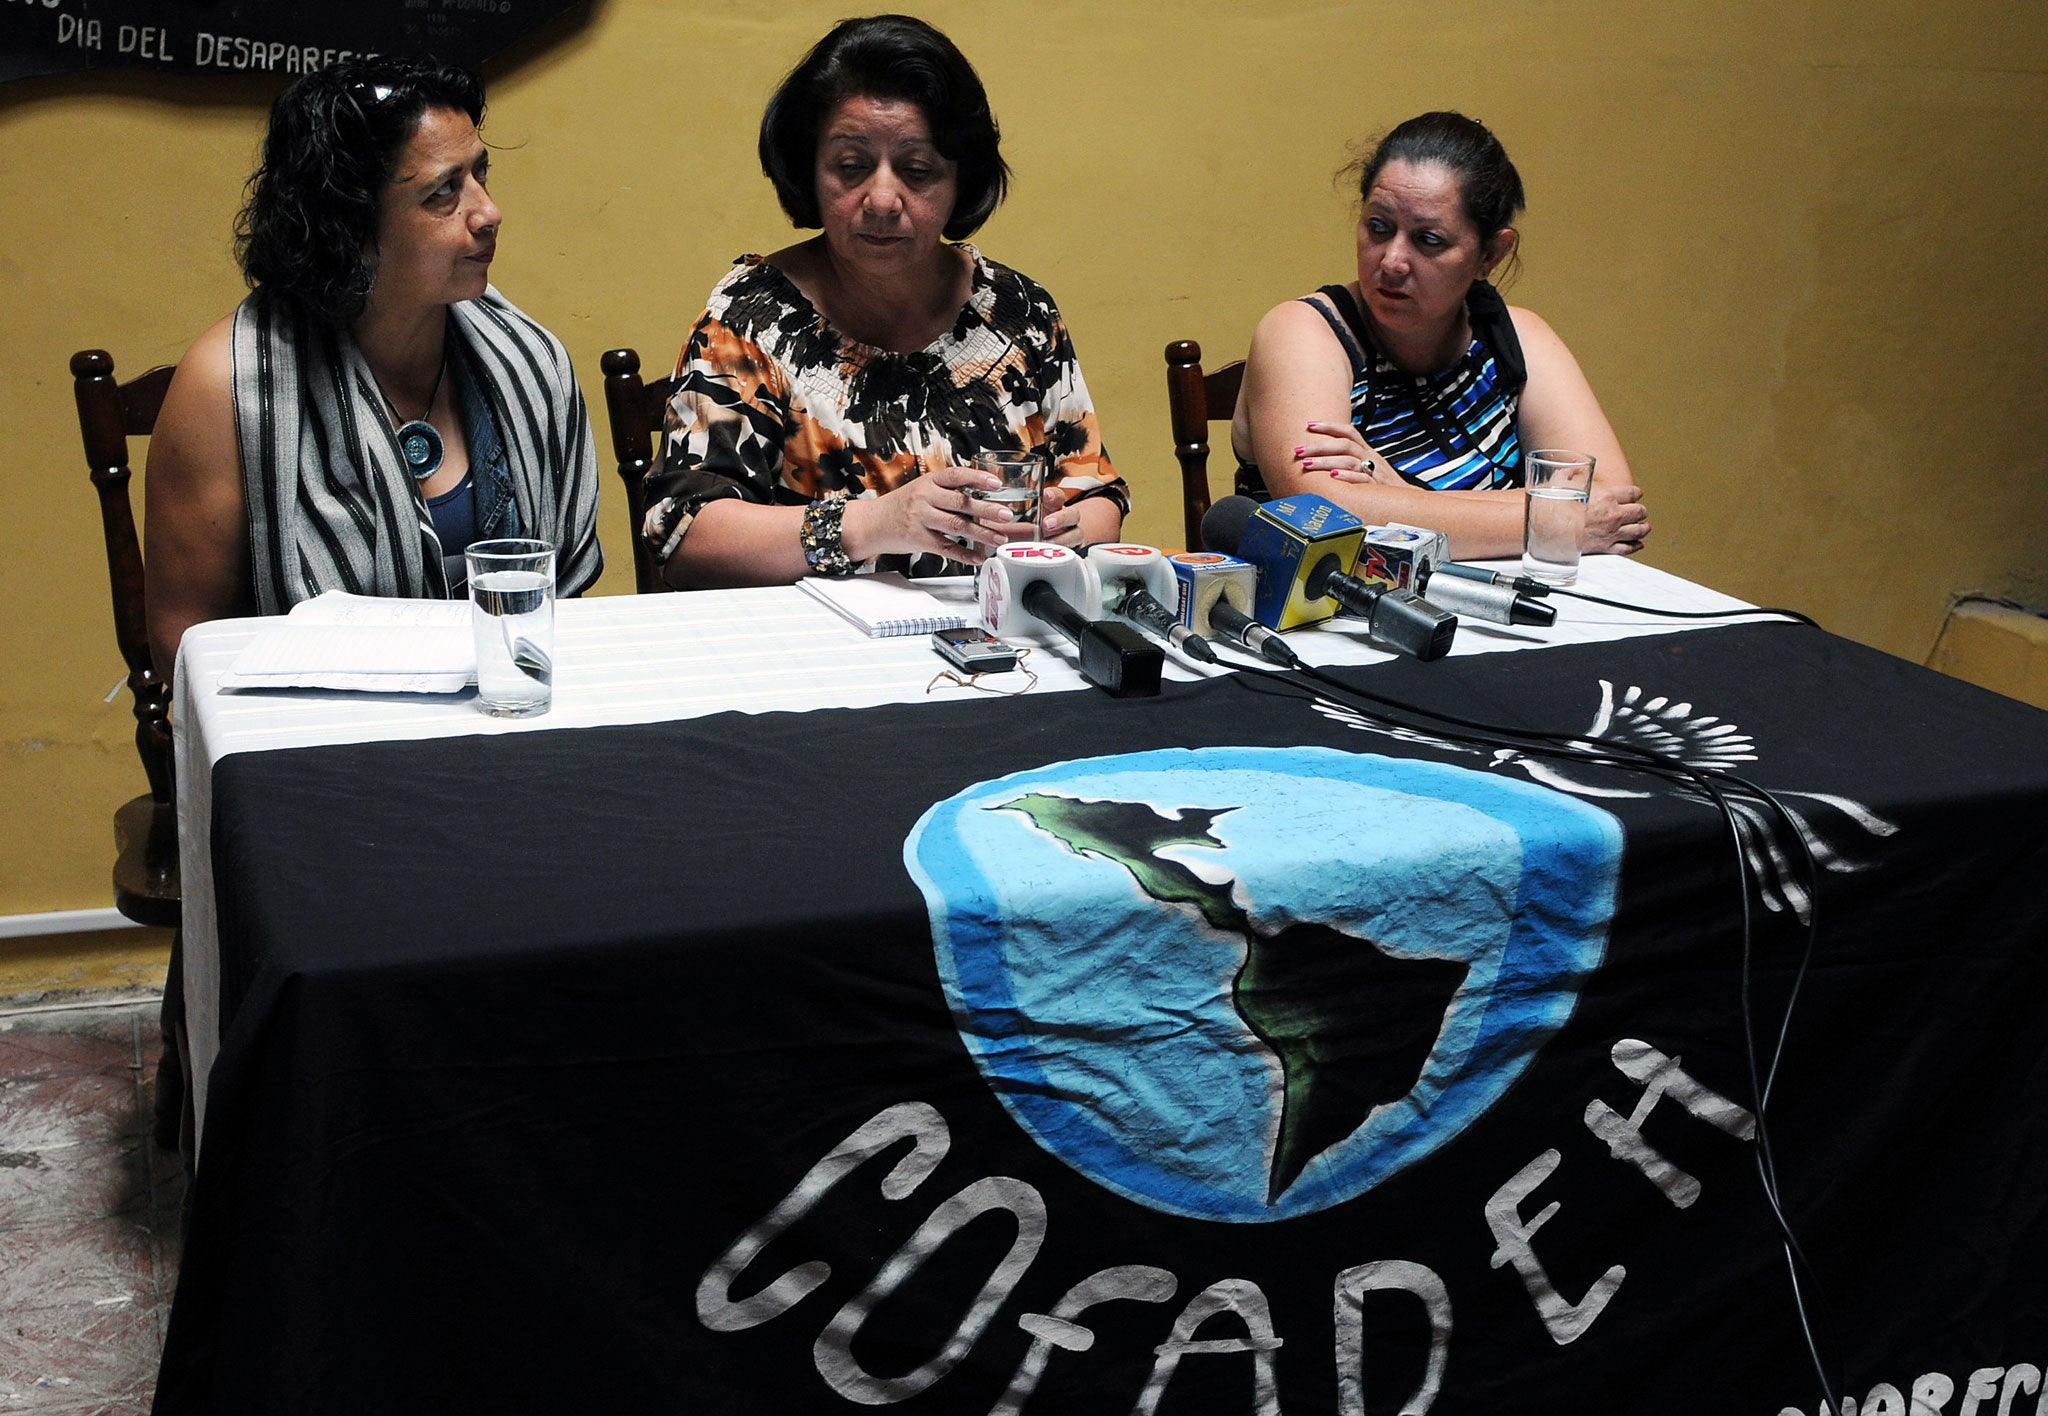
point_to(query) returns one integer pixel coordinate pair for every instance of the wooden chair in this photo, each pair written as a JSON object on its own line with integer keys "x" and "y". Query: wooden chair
{"x": 637, "y": 411}
{"x": 1196, "y": 400}
{"x": 146, "y": 829}
{"x": 146, "y": 883}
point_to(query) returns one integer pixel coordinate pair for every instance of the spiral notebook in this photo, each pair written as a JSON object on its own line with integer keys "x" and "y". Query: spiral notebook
{"x": 885, "y": 605}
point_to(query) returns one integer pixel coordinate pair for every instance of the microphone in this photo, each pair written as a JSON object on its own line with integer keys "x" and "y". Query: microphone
{"x": 1113, "y": 656}
{"x": 1213, "y": 594}
{"x": 1300, "y": 545}
{"x": 1398, "y": 557}
{"x": 1495, "y": 602}
{"x": 1135, "y": 603}
{"x": 1526, "y": 584}
{"x": 1024, "y": 588}
{"x": 1241, "y": 628}
{"x": 1134, "y": 579}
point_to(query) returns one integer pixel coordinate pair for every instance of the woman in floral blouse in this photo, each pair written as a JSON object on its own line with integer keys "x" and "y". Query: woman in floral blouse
{"x": 831, "y": 394}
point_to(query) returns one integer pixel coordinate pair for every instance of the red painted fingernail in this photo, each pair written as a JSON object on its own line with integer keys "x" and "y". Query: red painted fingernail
{"x": 1299, "y": 451}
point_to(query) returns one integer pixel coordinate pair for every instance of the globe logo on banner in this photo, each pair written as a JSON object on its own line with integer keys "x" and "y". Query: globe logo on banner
{"x": 1247, "y": 983}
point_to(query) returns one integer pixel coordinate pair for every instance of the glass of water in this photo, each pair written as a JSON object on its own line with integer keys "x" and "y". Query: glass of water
{"x": 1559, "y": 484}
{"x": 512, "y": 613}
{"x": 1023, "y": 475}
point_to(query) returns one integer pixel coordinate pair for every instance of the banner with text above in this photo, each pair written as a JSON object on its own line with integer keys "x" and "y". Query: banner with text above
{"x": 254, "y": 36}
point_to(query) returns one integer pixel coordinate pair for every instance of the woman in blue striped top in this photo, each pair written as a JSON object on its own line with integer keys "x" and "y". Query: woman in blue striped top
{"x": 1417, "y": 378}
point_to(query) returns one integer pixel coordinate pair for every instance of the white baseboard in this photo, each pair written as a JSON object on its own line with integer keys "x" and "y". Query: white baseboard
{"x": 25, "y": 926}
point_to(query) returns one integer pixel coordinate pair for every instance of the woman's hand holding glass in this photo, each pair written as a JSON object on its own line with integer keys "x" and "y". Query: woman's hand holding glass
{"x": 934, "y": 513}
{"x": 1057, "y": 521}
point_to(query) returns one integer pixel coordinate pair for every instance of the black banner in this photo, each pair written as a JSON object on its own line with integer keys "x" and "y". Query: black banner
{"x": 254, "y": 36}
{"x": 1225, "y": 1052}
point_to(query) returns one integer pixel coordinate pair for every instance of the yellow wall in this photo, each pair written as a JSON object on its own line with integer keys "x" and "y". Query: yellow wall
{"x": 1795, "y": 247}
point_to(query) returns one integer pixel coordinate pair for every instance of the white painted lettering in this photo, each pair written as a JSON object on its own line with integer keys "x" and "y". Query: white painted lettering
{"x": 833, "y": 1351}
{"x": 85, "y": 34}
{"x": 910, "y": 1120}
{"x": 2021, "y": 1378}
{"x": 1232, "y": 1295}
{"x": 1661, "y": 1076}
{"x": 1884, "y": 1400}
{"x": 1565, "y": 1322}
{"x": 143, "y": 41}
{"x": 1352, "y": 1286}
{"x": 1982, "y": 1386}
{"x": 1139, "y": 1282}
{"x": 1931, "y": 1393}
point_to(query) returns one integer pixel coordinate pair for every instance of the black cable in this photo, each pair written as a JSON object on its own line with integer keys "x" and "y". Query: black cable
{"x": 1710, "y": 783}
{"x": 1795, "y": 616}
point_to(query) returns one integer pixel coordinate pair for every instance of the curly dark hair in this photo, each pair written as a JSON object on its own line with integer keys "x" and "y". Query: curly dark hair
{"x": 889, "y": 57}
{"x": 313, "y": 205}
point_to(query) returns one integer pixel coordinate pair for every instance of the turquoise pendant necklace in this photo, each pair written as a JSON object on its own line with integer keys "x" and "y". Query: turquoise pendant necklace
{"x": 419, "y": 442}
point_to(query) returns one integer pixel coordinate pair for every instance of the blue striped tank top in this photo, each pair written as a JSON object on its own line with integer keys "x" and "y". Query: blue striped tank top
{"x": 1453, "y": 430}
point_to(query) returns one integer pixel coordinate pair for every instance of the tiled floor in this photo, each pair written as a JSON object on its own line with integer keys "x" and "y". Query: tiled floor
{"x": 88, "y": 1209}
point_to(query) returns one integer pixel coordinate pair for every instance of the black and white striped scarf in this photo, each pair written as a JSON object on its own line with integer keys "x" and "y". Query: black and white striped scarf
{"x": 331, "y": 503}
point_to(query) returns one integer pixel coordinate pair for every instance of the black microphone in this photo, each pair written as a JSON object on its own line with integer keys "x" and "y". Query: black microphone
{"x": 1495, "y": 602}
{"x": 1240, "y": 628}
{"x": 1135, "y": 603}
{"x": 1113, "y": 656}
{"x": 1527, "y": 584}
{"x": 1398, "y": 618}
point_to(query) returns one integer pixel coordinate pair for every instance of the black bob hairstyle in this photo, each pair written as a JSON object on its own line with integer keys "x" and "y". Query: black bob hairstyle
{"x": 312, "y": 207}
{"x": 889, "y": 57}
{"x": 1489, "y": 188}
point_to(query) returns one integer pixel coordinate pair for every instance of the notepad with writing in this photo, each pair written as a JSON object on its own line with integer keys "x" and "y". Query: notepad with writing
{"x": 883, "y": 605}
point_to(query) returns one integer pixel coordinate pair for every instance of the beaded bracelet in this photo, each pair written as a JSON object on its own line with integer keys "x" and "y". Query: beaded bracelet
{"x": 823, "y": 536}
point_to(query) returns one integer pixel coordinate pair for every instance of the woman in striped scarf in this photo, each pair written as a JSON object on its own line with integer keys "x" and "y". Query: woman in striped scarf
{"x": 1411, "y": 393}
{"x": 374, "y": 406}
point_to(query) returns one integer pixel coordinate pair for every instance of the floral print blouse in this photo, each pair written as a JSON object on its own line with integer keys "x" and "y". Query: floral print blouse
{"x": 774, "y": 405}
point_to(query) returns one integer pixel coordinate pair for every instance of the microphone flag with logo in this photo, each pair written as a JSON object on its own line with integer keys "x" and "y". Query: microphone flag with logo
{"x": 1286, "y": 538}
{"x": 1301, "y": 546}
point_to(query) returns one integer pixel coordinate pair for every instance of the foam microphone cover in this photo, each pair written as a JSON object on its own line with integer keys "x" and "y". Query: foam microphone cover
{"x": 1224, "y": 526}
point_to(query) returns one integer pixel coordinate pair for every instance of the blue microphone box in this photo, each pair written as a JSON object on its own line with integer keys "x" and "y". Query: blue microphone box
{"x": 1287, "y": 539}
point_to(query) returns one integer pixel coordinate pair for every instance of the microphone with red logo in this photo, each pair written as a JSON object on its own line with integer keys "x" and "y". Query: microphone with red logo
{"x": 1301, "y": 545}
{"x": 1030, "y": 589}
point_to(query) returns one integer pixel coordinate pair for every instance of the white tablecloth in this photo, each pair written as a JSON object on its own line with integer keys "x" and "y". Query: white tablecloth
{"x": 655, "y": 658}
